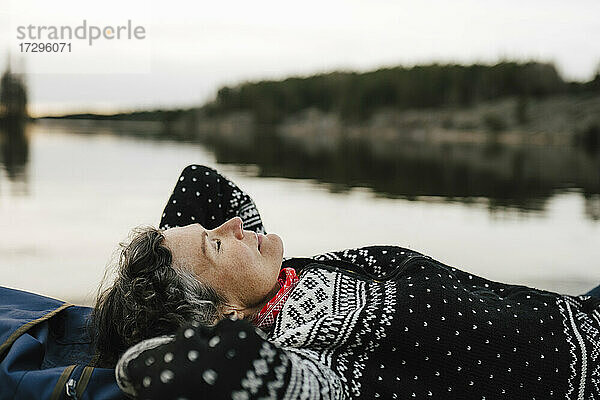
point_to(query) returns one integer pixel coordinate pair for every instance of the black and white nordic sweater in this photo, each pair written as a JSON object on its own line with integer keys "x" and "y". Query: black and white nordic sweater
{"x": 381, "y": 322}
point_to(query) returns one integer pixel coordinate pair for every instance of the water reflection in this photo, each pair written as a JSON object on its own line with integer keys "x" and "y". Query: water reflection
{"x": 592, "y": 206}
{"x": 516, "y": 177}
{"x": 519, "y": 178}
{"x": 14, "y": 154}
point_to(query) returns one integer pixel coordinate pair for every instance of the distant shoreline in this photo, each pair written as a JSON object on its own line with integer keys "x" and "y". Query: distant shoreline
{"x": 355, "y": 96}
{"x": 508, "y": 102}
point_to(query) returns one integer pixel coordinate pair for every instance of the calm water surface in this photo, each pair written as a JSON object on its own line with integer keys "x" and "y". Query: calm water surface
{"x": 70, "y": 193}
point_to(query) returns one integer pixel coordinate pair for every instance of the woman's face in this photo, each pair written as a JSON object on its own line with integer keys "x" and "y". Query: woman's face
{"x": 241, "y": 265}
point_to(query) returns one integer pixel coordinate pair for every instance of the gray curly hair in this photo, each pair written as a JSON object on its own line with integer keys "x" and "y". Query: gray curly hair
{"x": 149, "y": 297}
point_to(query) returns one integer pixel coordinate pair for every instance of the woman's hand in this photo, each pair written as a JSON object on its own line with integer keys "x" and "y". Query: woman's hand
{"x": 204, "y": 196}
{"x": 231, "y": 360}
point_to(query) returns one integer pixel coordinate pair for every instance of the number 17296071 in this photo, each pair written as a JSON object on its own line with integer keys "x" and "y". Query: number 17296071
{"x": 34, "y": 47}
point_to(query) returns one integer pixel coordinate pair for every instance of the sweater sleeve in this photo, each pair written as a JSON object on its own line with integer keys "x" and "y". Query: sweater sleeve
{"x": 231, "y": 360}
{"x": 202, "y": 195}
{"x": 377, "y": 262}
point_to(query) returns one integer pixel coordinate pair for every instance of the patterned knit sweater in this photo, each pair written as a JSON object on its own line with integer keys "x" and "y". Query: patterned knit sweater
{"x": 386, "y": 322}
{"x": 383, "y": 322}
{"x": 402, "y": 325}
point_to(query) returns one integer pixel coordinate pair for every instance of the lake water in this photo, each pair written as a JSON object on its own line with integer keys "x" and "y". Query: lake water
{"x": 70, "y": 192}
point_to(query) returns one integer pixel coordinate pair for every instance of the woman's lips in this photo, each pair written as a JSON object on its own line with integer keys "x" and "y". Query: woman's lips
{"x": 259, "y": 238}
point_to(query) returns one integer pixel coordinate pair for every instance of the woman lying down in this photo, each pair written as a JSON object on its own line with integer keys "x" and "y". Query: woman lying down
{"x": 206, "y": 307}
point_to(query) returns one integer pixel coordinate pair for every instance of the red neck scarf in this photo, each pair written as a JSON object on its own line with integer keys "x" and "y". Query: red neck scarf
{"x": 266, "y": 317}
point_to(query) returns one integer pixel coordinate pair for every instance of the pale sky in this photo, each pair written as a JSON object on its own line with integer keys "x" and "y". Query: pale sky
{"x": 194, "y": 47}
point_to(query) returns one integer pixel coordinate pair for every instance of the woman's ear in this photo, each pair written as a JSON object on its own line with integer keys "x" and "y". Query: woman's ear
{"x": 232, "y": 313}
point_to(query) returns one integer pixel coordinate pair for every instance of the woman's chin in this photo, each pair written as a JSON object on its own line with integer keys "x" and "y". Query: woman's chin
{"x": 277, "y": 244}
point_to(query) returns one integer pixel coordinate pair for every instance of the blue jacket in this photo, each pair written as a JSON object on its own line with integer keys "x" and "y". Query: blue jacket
{"x": 45, "y": 351}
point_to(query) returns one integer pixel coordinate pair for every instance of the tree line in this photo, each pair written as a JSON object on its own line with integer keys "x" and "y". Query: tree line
{"x": 355, "y": 96}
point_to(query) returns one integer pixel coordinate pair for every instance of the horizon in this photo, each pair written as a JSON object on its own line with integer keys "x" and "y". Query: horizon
{"x": 194, "y": 49}
{"x": 211, "y": 98}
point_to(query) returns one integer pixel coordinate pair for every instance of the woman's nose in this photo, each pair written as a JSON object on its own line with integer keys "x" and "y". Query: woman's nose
{"x": 234, "y": 225}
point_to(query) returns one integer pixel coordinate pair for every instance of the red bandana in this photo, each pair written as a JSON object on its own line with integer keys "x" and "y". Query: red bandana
{"x": 266, "y": 317}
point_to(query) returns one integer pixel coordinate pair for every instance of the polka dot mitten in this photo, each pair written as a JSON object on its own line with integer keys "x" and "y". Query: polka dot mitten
{"x": 202, "y": 195}
{"x": 230, "y": 360}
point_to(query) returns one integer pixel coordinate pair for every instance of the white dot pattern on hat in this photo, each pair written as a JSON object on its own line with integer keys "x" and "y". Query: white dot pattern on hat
{"x": 204, "y": 196}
